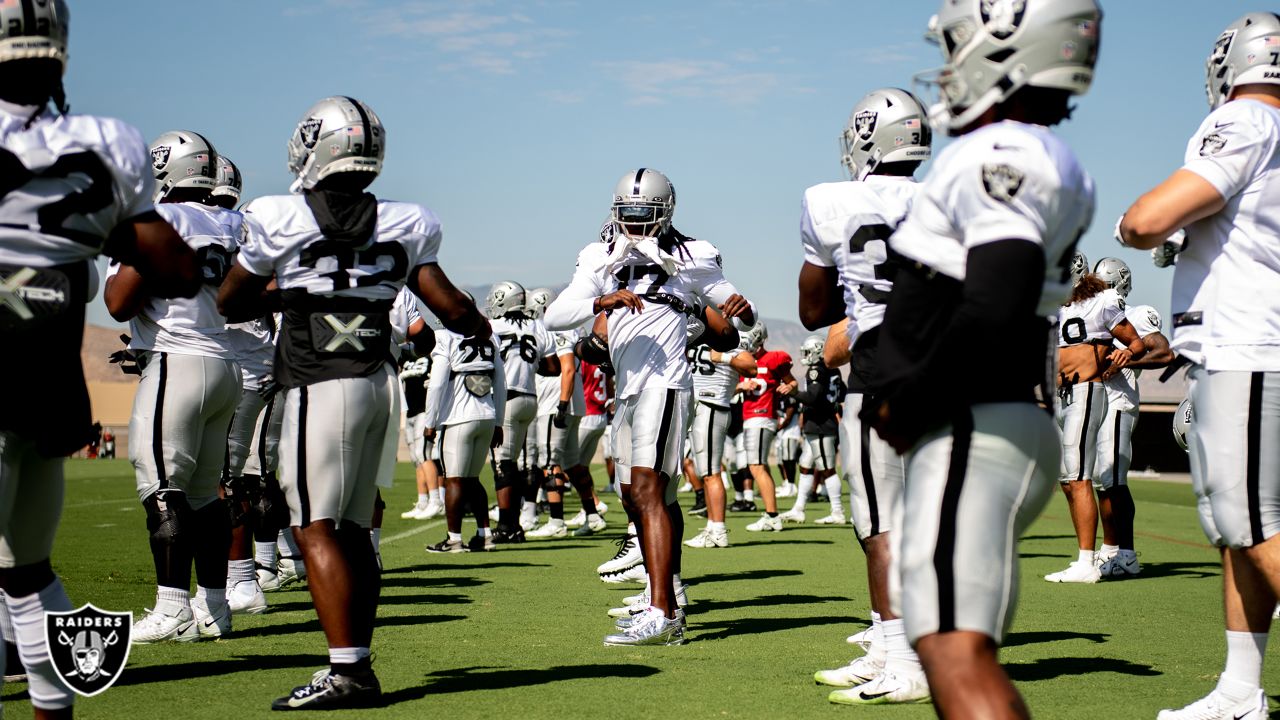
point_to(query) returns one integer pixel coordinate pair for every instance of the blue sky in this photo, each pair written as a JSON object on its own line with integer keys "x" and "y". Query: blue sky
{"x": 513, "y": 120}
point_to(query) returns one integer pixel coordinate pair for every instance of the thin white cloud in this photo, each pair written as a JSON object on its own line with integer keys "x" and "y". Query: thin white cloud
{"x": 657, "y": 82}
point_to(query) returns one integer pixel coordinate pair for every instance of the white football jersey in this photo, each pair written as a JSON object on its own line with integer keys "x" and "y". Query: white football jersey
{"x": 1122, "y": 388}
{"x": 253, "y": 345}
{"x": 1004, "y": 181}
{"x": 1226, "y": 285}
{"x": 1090, "y": 320}
{"x": 645, "y": 348}
{"x": 523, "y": 343}
{"x": 294, "y": 249}
{"x": 713, "y": 383}
{"x": 847, "y": 225}
{"x": 193, "y": 326}
{"x": 74, "y": 178}
{"x": 454, "y": 357}
{"x": 404, "y": 313}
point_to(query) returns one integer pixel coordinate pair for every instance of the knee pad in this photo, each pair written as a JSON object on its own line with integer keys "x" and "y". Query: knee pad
{"x": 508, "y": 476}
{"x": 168, "y": 517}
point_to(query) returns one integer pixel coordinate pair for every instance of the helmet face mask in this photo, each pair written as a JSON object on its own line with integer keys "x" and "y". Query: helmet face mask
{"x": 886, "y": 126}
{"x": 811, "y": 351}
{"x": 182, "y": 159}
{"x": 338, "y": 134}
{"x": 644, "y": 202}
{"x": 537, "y": 300}
{"x": 1242, "y": 55}
{"x": 505, "y": 298}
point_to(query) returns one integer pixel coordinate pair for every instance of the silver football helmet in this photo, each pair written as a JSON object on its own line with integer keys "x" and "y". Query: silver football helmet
{"x": 230, "y": 183}
{"x": 183, "y": 159}
{"x": 753, "y": 340}
{"x": 537, "y": 300}
{"x": 693, "y": 330}
{"x": 1116, "y": 273}
{"x": 1244, "y": 53}
{"x": 504, "y": 297}
{"x": 1079, "y": 267}
{"x": 887, "y": 125}
{"x": 338, "y": 134}
{"x": 643, "y": 203}
{"x": 31, "y": 30}
{"x": 811, "y": 350}
{"x": 1182, "y": 418}
{"x": 993, "y": 48}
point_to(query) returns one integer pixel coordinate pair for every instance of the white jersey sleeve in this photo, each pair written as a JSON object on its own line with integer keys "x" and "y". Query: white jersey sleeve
{"x": 1144, "y": 319}
{"x": 706, "y": 273}
{"x": 1232, "y": 146}
{"x": 1090, "y": 320}
{"x": 574, "y": 305}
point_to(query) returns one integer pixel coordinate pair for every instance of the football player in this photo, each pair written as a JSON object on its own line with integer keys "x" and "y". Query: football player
{"x": 538, "y": 443}
{"x": 821, "y": 398}
{"x": 413, "y": 379}
{"x": 78, "y": 186}
{"x": 1117, "y": 557}
{"x": 561, "y": 433}
{"x": 339, "y": 257}
{"x": 988, "y": 243}
{"x": 226, "y": 194}
{"x": 188, "y": 394}
{"x": 715, "y": 375}
{"x": 788, "y": 444}
{"x": 647, "y": 278}
{"x": 1226, "y": 311}
{"x": 466, "y": 399}
{"x": 845, "y": 281}
{"x": 1088, "y": 325}
{"x": 596, "y": 396}
{"x": 527, "y": 351}
{"x": 759, "y": 419}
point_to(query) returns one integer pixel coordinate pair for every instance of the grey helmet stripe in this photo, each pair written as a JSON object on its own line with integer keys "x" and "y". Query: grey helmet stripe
{"x": 639, "y": 176}
{"x": 364, "y": 122}
{"x": 29, "y": 18}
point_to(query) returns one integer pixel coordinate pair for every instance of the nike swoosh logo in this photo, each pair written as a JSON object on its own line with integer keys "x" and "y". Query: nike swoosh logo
{"x": 209, "y": 622}
{"x": 998, "y": 146}
{"x": 872, "y": 696}
{"x": 1219, "y": 126}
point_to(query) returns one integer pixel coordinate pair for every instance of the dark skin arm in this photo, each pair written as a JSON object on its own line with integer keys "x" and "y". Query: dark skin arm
{"x": 738, "y": 307}
{"x": 125, "y": 293}
{"x": 244, "y": 296}
{"x": 720, "y": 334}
{"x": 151, "y": 245}
{"x": 549, "y": 366}
{"x": 451, "y": 305}
{"x": 1156, "y": 354}
{"x": 821, "y": 302}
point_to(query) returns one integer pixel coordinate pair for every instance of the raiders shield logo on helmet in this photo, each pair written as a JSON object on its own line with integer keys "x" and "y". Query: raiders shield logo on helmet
{"x": 865, "y": 124}
{"x": 160, "y": 157}
{"x": 88, "y": 646}
{"x": 309, "y": 132}
{"x": 1002, "y": 182}
{"x": 1222, "y": 47}
{"x": 1003, "y": 17}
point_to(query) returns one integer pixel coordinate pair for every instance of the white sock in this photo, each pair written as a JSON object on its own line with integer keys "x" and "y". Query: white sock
{"x": 631, "y": 529}
{"x": 899, "y": 655}
{"x": 423, "y": 498}
{"x": 528, "y": 508}
{"x": 265, "y": 554}
{"x": 724, "y": 480}
{"x": 347, "y": 655}
{"x": 211, "y": 596}
{"x": 715, "y": 526}
{"x": 172, "y": 601}
{"x": 737, "y": 496}
{"x": 1108, "y": 550}
{"x": 1243, "y": 674}
{"x": 482, "y": 532}
{"x": 749, "y": 495}
{"x": 1086, "y": 556}
{"x": 239, "y": 571}
{"x": 806, "y": 487}
{"x": 288, "y": 546}
{"x": 455, "y": 537}
{"x": 878, "y": 652}
{"x": 375, "y": 537}
{"x": 439, "y": 493}
{"x": 832, "y": 484}
{"x": 46, "y": 689}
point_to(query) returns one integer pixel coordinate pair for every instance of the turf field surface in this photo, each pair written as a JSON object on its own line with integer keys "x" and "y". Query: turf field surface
{"x": 517, "y": 632}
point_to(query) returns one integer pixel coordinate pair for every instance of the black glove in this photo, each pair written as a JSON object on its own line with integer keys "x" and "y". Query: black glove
{"x": 126, "y": 359}
{"x": 268, "y": 387}
{"x": 561, "y": 419}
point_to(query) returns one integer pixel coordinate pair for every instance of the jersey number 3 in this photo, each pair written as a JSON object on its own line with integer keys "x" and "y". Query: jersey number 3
{"x": 349, "y": 258}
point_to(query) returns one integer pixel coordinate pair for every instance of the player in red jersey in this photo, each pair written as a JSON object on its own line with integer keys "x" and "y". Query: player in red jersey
{"x": 596, "y": 393}
{"x": 759, "y": 422}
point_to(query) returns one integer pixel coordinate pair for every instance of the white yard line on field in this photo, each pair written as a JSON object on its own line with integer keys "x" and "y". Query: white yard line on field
{"x": 410, "y": 533}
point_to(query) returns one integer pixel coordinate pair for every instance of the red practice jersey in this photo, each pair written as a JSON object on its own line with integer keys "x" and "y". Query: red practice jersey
{"x": 760, "y": 401}
{"x": 594, "y": 388}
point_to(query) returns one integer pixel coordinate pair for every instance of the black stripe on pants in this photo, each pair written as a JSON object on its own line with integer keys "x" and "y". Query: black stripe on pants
{"x": 304, "y": 500}
{"x": 664, "y": 429}
{"x": 1115, "y": 451}
{"x": 1084, "y": 430}
{"x": 157, "y": 424}
{"x": 944, "y": 555}
{"x": 1254, "y": 460}
{"x": 868, "y": 480}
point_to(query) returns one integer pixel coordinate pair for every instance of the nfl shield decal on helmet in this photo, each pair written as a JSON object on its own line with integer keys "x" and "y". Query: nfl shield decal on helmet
{"x": 160, "y": 157}
{"x": 88, "y": 646}
{"x": 309, "y": 132}
{"x": 1002, "y": 182}
{"x": 1003, "y": 17}
{"x": 865, "y": 124}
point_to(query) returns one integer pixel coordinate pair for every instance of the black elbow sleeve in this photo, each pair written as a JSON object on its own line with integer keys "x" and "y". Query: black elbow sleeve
{"x": 592, "y": 349}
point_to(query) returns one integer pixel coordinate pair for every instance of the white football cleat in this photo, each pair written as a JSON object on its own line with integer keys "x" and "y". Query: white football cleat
{"x": 493, "y": 514}
{"x": 267, "y": 579}
{"x": 766, "y": 523}
{"x": 835, "y": 518}
{"x": 1080, "y": 571}
{"x": 1215, "y": 707}
{"x": 1121, "y": 565}
{"x": 552, "y": 529}
{"x": 528, "y": 517}
{"x": 435, "y": 508}
{"x": 786, "y": 490}
{"x": 889, "y": 687}
{"x": 651, "y": 627}
{"x": 246, "y": 598}
{"x": 155, "y": 627}
{"x": 415, "y": 512}
{"x": 596, "y": 523}
{"x": 601, "y": 508}
{"x": 211, "y": 621}
{"x": 862, "y": 670}
{"x": 290, "y": 571}
{"x": 687, "y": 487}
{"x": 578, "y": 520}
{"x": 635, "y": 573}
{"x": 792, "y": 516}
{"x": 862, "y": 638}
{"x": 709, "y": 539}
{"x": 628, "y": 555}
{"x": 633, "y": 605}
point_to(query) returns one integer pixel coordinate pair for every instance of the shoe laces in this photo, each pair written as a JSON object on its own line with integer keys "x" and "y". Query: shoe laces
{"x": 622, "y": 544}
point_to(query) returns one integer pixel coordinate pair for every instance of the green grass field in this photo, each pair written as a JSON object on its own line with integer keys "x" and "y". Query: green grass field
{"x": 517, "y": 632}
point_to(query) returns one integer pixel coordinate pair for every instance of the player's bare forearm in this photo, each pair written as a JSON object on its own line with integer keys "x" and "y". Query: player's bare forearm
{"x": 244, "y": 296}
{"x": 1158, "y": 353}
{"x": 745, "y": 364}
{"x": 451, "y": 305}
{"x": 835, "y": 351}
{"x": 821, "y": 302}
{"x": 125, "y": 294}
{"x": 1182, "y": 199}
{"x": 567, "y": 373}
{"x": 720, "y": 334}
{"x": 737, "y": 306}
{"x": 155, "y": 249}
